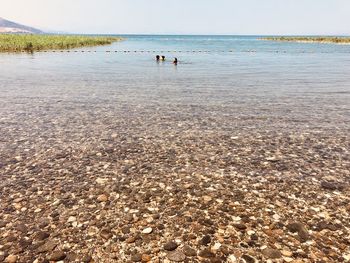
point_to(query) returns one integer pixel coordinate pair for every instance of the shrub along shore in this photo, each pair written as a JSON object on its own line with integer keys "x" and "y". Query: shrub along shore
{"x": 326, "y": 40}
{"x": 31, "y": 43}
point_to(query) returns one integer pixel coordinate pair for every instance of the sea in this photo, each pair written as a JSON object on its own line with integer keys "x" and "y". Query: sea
{"x": 308, "y": 83}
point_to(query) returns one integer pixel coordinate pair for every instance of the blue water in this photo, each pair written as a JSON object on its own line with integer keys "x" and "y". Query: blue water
{"x": 240, "y": 75}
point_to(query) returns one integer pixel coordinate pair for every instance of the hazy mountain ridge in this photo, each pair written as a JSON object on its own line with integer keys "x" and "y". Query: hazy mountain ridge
{"x": 7, "y": 26}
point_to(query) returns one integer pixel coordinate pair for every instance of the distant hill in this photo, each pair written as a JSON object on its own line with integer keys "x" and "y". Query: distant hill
{"x": 7, "y": 26}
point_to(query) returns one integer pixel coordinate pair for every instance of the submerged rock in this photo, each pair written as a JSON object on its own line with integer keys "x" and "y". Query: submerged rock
{"x": 297, "y": 227}
{"x": 176, "y": 256}
{"x": 57, "y": 256}
{"x": 332, "y": 186}
{"x": 271, "y": 253}
{"x": 170, "y": 246}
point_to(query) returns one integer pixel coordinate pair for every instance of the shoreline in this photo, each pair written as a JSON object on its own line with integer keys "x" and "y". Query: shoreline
{"x": 310, "y": 40}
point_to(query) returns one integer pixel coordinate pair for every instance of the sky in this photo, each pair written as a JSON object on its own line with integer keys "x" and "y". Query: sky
{"x": 237, "y": 17}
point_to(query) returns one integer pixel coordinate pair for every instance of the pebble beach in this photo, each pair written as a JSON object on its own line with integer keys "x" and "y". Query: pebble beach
{"x": 159, "y": 188}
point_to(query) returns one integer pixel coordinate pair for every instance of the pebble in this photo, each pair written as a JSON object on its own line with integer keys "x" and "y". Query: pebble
{"x": 332, "y": 186}
{"x": 272, "y": 253}
{"x": 288, "y": 259}
{"x": 170, "y": 246}
{"x": 57, "y": 256}
{"x": 216, "y": 246}
{"x": 22, "y": 228}
{"x": 287, "y": 253}
{"x": 41, "y": 235}
{"x": 102, "y": 198}
{"x": 231, "y": 259}
{"x": 136, "y": 258}
{"x": 130, "y": 240}
{"x": 147, "y": 230}
{"x": 206, "y": 253}
{"x": 86, "y": 259}
{"x": 106, "y": 234}
{"x": 347, "y": 257}
{"x": 11, "y": 259}
{"x": 176, "y": 256}
{"x": 71, "y": 219}
{"x": 101, "y": 181}
{"x": 47, "y": 247}
{"x": 146, "y": 258}
{"x": 241, "y": 226}
{"x": 297, "y": 227}
{"x": 189, "y": 251}
{"x": 205, "y": 240}
{"x": 249, "y": 259}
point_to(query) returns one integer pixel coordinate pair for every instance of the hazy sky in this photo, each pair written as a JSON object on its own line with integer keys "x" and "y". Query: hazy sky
{"x": 183, "y": 16}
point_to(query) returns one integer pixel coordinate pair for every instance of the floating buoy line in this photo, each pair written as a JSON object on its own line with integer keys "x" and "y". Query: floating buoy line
{"x": 167, "y": 51}
{"x": 141, "y": 51}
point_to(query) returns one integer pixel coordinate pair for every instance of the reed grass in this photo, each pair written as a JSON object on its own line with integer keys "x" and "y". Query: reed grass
{"x": 335, "y": 40}
{"x": 31, "y": 42}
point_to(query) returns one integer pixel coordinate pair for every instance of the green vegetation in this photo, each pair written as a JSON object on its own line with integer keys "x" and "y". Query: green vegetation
{"x": 31, "y": 43}
{"x": 335, "y": 40}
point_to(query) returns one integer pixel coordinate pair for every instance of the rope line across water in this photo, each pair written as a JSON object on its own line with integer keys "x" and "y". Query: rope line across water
{"x": 168, "y": 51}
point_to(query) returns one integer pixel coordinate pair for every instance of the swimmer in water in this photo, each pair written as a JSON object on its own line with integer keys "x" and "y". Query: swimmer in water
{"x": 163, "y": 58}
{"x": 157, "y": 58}
{"x": 175, "y": 61}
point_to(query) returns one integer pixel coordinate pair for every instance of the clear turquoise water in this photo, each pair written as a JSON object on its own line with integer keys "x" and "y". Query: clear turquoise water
{"x": 309, "y": 82}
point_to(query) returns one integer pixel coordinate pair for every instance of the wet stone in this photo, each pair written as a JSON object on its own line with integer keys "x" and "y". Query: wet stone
{"x": 22, "y": 228}
{"x": 206, "y": 253}
{"x": 11, "y": 259}
{"x": 71, "y": 257}
{"x": 147, "y": 230}
{"x": 297, "y": 227}
{"x": 241, "y": 226}
{"x": 136, "y": 258}
{"x": 271, "y": 253}
{"x": 24, "y": 243}
{"x": 42, "y": 235}
{"x": 57, "y": 256}
{"x": 3, "y": 224}
{"x": 102, "y": 198}
{"x": 170, "y": 246}
{"x": 47, "y": 247}
{"x": 321, "y": 225}
{"x": 205, "y": 240}
{"x": 190, "y": 252}
{"x": 146, "y": 258}
{"x": 126, "y": 230}
{"x": 249, "y": 259}
{"x": 11, "y": 238}
{"x": 333, "y": 186}
{"x": 86, "y": 259}
{"x": 176, "y": 256}
{"x": 130, "y": 240}
{"x": 106, "y": 234}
